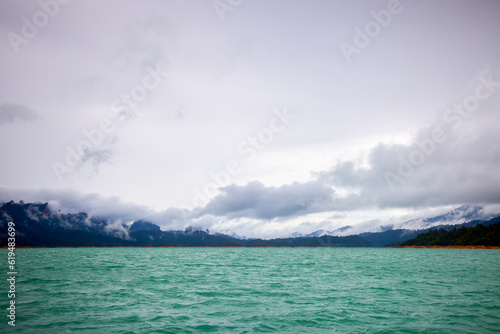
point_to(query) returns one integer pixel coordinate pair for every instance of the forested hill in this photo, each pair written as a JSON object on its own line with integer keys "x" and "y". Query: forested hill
{"x": 37, "y": 226}
{"x": 478, "y": 235}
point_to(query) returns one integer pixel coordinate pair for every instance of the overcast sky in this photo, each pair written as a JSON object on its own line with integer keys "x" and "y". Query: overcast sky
{"x": 250, "y": 117}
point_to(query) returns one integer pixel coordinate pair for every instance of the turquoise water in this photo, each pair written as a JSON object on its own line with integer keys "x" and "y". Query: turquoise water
{"x": 248, "y": 290}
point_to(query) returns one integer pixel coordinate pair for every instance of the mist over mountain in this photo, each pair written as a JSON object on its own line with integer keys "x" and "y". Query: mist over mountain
{"x": 456, "y": 216}
{"x": 39, "y": 226}
{"x": 404, "y": 228}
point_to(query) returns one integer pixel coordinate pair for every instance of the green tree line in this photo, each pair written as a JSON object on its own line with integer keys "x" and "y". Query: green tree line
{"x": 478, "y": 235}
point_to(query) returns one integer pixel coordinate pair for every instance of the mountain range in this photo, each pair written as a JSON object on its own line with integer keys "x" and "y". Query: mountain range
{"x": 38, "y": 226}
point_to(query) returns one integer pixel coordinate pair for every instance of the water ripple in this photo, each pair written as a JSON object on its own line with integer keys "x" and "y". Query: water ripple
{"x": 199, "y": 290}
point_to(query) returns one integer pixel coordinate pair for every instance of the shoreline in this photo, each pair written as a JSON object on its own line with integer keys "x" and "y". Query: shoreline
{"x": 436, "y": 247}
{"x": 449, "y": 247}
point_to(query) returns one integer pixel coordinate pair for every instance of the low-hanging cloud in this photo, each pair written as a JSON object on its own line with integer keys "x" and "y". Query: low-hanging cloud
{"x": 117, "y": 229}
{"x": 110, "y": 208}
{"x": 255, "y": 200}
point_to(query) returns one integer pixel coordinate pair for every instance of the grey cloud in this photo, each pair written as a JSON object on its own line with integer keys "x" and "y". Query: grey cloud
{"x": 337, "y": 216}
{"x": 173, "y": 218}
{"x": 254, "y": 200}
{"x": 95, "y": 157}
{"x": 461, "y": 167}
{"x": 10, "y": 112}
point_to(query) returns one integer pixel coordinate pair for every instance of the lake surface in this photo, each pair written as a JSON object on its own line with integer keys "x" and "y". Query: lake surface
{"x": 248, "y": 290}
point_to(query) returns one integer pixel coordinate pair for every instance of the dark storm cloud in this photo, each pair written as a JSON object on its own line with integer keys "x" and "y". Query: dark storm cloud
{"x": 10, "y": 112}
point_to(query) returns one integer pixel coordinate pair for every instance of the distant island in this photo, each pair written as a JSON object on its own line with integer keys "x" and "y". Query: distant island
{"x": 37, "y": 226}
